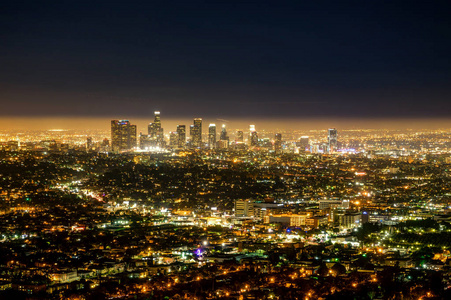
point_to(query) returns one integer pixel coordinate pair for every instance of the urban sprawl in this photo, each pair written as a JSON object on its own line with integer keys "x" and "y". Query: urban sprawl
{"x": 219, "y": 214}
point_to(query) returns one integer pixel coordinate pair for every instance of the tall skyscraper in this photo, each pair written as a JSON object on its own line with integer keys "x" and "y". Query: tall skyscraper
{"x": 196, "y": 133}
{"x": 253, "y": 136}
{"x": 332, "y": 140}
{"x": 239, "y": 140}
{"x": 173, "y": 139}
{"x": 239, "y": 136}
{"x": 224, "y": 136}
{"x": 150, "y": 130}
{"x": 157, "y": 119}
{"x": 191, "y": 134}
{"x": 304, "y": 143}
{"x": 212, "y": 136}
{"x": 181, "y": 133}
{"x": 155, "y": 131}
{"x": 278, "y": 143}
{"x": 123, "y": 135}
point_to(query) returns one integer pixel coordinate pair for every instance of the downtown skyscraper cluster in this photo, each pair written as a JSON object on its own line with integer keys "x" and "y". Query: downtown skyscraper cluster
{"x": 124, "y": 138}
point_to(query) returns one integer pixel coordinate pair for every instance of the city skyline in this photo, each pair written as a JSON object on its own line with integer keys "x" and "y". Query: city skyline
{"x": 84, "y": 123}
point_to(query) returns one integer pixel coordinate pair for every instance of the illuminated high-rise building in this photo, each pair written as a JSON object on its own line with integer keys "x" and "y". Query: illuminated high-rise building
{"x": 332, "y": 140}
{"x": 304, "y": 143}
{"x": 191, "y": 133}
{"x": 278, "y": 143}
{"x": 253, "y": 136}
{"x": 155, "y": 131}
{"x": 239, "y": 140}
{"x": 212, "y": 136}
{"x": 157, "y": 119}
{"x": 160, "y": 131}
{"x": 181, "y": 133}
{"x": 150, "y": 130}
{"x": 224, "y": 136}
{"x": 145, "y": 142}
{"x": 173, "y": 139}
{"x": 123, "y": 135}
{"x": 239, "y": 136}
{"x": 196, "y": 133}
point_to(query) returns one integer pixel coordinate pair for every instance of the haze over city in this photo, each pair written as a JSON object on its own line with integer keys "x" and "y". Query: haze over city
{"x": 79, "y": 123}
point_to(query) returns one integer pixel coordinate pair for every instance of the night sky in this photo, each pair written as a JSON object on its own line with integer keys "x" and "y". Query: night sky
{"x": 364, "y": 59}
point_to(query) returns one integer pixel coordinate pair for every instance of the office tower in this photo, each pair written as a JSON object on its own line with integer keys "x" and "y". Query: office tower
{"x": 145, "y": 142}
{"x": 160, "y": 132}
{"x": 123, "y": 135}
{"x": 224, "y": 136}
{"x": 239, "y": 140}
{"x": 239, "y": 136}
{"x": 88, "y": 143}
{"x": 155, "y": 131}
{"x": 191, "y": 133}
{"x": 253, "y": 137}
{"x": 181, "y": 133}
{"x": 196, "y": 133}
{"x": 133, "y": 136}
{"x": 154, "y": 128}
{"x": 332, "y": 140}
{"x": 212, "y": 136}
{"x": 150, "y": 130}
{"x": 304, "y": 144}
{"x": 157, "y": 119}
{"x": 278, "y": 143}
{"x": 244, "y": 208}
{"x": 173, "y": 140}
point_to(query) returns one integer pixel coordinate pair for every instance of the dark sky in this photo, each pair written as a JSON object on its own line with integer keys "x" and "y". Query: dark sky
{"x": 226, "y": 58}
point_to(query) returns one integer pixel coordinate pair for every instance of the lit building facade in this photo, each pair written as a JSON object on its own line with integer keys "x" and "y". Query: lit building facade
{"x": 239, "y": 140}
{"x": 253, "y": 136}
{"x": 278, "y": 143}
{"x": 304, "y": 143}
{"x": 212, "y": 136}
{"x": 155, "y": 131}
{"x": 196, "y": 133}
{"x": 332, "y": 140}
{"x": 123, "y": 135}
{"x": 239, "y": 136}
{"x": 244, "y": 208}
{"x": 173, "y": 139}
{"x": 223, "y": 138}
{"x": 181, "y": 134}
